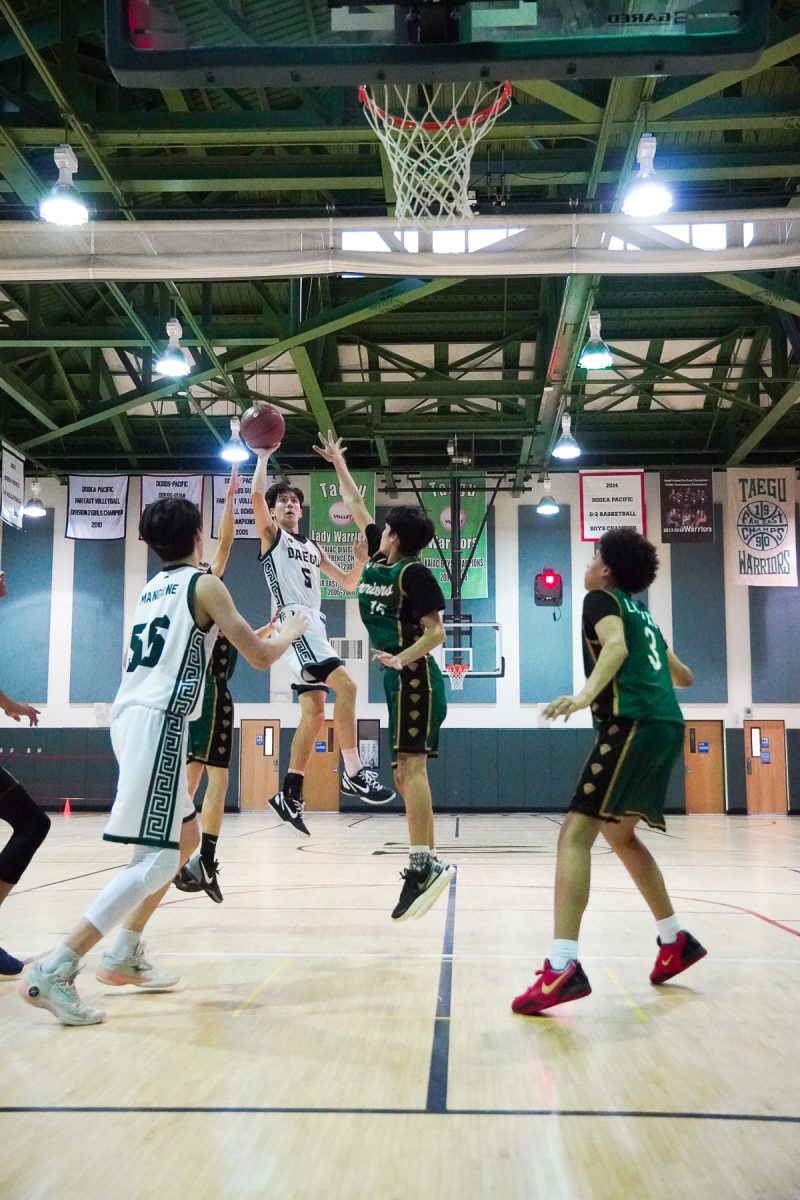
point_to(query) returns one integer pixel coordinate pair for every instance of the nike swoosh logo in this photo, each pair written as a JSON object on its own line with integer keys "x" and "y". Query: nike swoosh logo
{"x": 666, "y": 961}
{"x": 206, "y": 877}
{"x": 547, "y": 988}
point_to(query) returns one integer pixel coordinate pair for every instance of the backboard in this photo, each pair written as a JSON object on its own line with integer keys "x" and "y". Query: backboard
{"x": 230, "y": 43}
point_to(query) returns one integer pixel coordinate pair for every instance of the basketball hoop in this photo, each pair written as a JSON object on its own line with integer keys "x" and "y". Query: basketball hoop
{"x": 430, "y": 154}
{"x": 456, "y": 673}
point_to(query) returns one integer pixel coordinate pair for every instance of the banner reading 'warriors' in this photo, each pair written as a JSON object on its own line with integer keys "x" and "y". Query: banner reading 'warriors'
{"x": 687, "y": 506}
{"x": 435, "y": 494}
{"x": 332, "y": 525}
{"x": 760, "y": 545}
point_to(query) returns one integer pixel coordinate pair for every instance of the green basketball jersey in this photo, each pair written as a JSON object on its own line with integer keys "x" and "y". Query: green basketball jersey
{"x": 392, "y": 598}
{"x": 642, "y": 688}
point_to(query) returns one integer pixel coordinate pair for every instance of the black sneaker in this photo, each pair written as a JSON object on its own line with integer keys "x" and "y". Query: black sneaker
{"x": 209, "y": 881}
{"x": 289, "y": 809}
{"x": 420, "y": 890}
{"x": 365, "y": 783}
{"x": 187, "y": 881}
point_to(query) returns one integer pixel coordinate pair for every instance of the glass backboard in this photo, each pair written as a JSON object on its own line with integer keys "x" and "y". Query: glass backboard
{"x": 196, "y": 43}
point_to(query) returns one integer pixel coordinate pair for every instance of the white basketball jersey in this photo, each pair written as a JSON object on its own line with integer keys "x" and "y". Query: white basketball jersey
{"x": 166, "y": 662}
{"x": 291, "y": 567}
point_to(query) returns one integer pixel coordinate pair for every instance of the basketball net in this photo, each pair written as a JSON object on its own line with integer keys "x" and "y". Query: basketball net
{"x": 457, "y": 672}
{"x": 429, "y": 133}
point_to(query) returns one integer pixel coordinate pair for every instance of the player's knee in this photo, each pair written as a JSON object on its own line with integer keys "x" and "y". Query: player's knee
{"x": 40, "y": 827}
{"x": 345, "y": 687}
{"x": 161, "y": 868}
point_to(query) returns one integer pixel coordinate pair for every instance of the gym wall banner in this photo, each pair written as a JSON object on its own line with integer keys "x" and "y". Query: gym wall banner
{"x": 332, "y": 525}
{"x": 760, "y": 546}
{"x": 13, "y": 472}
{"x": 159, "y": 487}
{"x": 97, "y": 506}
{"x": 435, "y": 493}
{"x": 687, "y": 506}
{"x": 244, "y": 524}
{"x": 611, "y": 500}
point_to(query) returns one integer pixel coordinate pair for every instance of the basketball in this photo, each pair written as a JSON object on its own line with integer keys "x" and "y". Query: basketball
{"x": 262, "y": 427}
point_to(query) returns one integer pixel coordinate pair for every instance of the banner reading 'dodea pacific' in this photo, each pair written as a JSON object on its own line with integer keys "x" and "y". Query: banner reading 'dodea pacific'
{"x": 160, "y": 487}
{"x": 97, "y": 506}
{"x": 760, "y": 546}
{"x": 611, "y": 500}
{"x": 244, "y": 525}
{"x": 13, "y": 472}
{"x": 435, "y": 495}
{"x": 332, "y": 525}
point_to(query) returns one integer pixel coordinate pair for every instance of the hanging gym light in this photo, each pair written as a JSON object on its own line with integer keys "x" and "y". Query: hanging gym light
{"x": 173, "y": 363}
{"x": 63, "y": 204}
{"x": 234, "y": 450}
{"x": 547, "y": 506}
{"x": 34, "y": 507}
{"x": 566, "y": 446}
{"x": 646, "y": 197}
{"x": 595, "y": 355}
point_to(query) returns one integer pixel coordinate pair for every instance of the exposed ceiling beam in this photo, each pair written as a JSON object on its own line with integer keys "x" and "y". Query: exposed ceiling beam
{"x": 769, "y": 421}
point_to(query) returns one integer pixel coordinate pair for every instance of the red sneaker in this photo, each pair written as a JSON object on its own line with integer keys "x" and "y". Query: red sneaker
{"x": 552, "y": 987}
{"x": 676, "y": 957}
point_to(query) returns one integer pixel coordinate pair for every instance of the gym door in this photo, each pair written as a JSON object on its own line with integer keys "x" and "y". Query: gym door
{"x": 259, "y": 752}
{"x": 704, "y": 760}
{"x": 321, "y": 786}
{"x": 765, "y": 764}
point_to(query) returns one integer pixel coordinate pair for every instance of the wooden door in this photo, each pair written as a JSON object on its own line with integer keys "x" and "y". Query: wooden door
{"x": 259, "y": 753}
{"x": 321, "y": 785}
{"x": 765, "y": 764}
{"x": 704, "y": 760}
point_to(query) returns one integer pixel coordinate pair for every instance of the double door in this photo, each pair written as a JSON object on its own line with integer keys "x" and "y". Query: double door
{"x": 260, "y": 767}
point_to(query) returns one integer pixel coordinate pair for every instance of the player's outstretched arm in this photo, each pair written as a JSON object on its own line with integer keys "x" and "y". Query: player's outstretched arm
{"x": 267, "y": 529}
{"x": 214, "y": 605}
{"x": 680, "y": 674}
{"x": 333, "y": 452}
{"x": 15, "y": 710}
{"x": 433, "y": 635}
{"x": 611, "y": 635}
{"x": 225, "y": 532}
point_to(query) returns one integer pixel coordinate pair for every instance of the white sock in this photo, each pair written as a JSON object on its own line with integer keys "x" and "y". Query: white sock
{"x": 58, "y": 957}
{"x": 562, "y": 953}
{"x": 352, "y": 761}
{"x": 125, "y": 943}
{"x": 668, "y": 930}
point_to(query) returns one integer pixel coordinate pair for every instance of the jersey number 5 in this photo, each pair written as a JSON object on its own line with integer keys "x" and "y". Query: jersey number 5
{"x": 155, "y": 643}
{"x": 307, "y": 575}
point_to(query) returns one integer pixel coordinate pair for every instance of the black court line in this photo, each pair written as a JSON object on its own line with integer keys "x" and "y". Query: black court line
{"x": 263, "y": 1110}
{"x": 265, "y": 829}
{"x": 69, "y": 879}
{"x": 440, "y": 1050}
{"x": 360, "y": 819}
{"x": 458, "y": 820}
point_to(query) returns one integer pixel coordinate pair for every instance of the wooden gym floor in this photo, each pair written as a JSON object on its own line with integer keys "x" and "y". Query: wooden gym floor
{"x": 314, "y": 1049}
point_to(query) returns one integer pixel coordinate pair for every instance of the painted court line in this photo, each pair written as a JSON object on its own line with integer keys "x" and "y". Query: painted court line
{"x": 237, "y": 1012}
{"x": 440, "y": 1050}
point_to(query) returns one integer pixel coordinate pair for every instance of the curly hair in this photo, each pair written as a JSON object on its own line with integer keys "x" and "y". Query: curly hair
{"x": 631, "y": 559}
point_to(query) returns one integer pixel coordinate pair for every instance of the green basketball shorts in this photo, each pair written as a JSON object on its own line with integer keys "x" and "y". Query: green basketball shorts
{"x": 417, "y": 708}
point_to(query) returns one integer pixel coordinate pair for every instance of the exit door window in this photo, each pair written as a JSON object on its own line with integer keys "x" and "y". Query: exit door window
{"x": 755, "y": 741}
{"x": 269, "y": 749}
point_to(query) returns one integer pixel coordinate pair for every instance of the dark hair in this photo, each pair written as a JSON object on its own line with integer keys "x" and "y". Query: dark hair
{"x": 169, "y": 527}
{"x": 413, "y": 527}
{"x": 279, "y": 489}
{"x": 630, "y": 558}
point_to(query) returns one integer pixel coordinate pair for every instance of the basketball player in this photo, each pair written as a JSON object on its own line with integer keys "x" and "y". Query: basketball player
{"x": 631, "y": 674}
{"x": 210, "y": 735}
{"x": 29, "y": 825}
{"x": 401, "y": 605}
{"x": 173, "y": 628}
{"x": 292, "y": 564}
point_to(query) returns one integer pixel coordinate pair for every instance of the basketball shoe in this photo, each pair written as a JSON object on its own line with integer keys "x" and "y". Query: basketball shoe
{"x": 289, "y": 809}
{"x": 10, "y": 967}
{"x": 676, "y": 956}
{"x": 56, "y": 991}
{"x": 366, "y": 785}
{"x": 421, "y": 888}
{"x": 552, "y": 987}
{"x": 136, "y": 970}
{"x": 209, "y": 880}
{"x": 186, "y": 880}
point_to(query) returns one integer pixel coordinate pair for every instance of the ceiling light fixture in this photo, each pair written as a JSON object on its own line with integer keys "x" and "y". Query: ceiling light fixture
{"x": 235, "y": 451}
{"x": 173, "y": 363}
{"x": 547, "y": 506}
{"x": 595, "y": 355}
{"x": 63, "y": 204}
{"x": 646, "y": 197}
{"x": 566, "y": 446}
{"x": 34, "y": 506}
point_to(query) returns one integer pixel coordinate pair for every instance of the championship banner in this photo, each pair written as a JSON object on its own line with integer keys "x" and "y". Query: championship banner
{"x": 244, "y": 524}
{"x": 97, "y": 506}
{"x": 332, "y": 524}
{"x": 760, "y": 546}
{"x": 13, "y": 471}
{"x": 435, "y": 495}
{"x": 687, "y": 506}
{"x": 159, "y": 487}
{"x": 611, "y": 500}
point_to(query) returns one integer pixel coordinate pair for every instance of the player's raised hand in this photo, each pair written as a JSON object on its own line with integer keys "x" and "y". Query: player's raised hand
{"x": 360, "y": 551}
{"x": 331, "y": 449}
{"x": 387, "y": 660}
{"x": 565, "y": 706}
{"x": 234, "y": 482}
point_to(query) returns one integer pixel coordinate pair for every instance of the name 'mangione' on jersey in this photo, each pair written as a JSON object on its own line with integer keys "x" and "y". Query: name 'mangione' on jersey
{"x": 169, "y": 589}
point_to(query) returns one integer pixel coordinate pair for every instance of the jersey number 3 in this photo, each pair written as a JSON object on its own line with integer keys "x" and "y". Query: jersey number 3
{"x": 155, "y": 643}
{"x": 653, "y": 658}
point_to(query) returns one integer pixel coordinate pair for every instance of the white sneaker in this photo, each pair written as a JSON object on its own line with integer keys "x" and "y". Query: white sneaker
{"x": 136, "y": 970}
{"x": 56, "y": 991}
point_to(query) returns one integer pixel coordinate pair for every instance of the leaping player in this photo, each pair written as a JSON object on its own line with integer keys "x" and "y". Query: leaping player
{"x": 292, "y": 565}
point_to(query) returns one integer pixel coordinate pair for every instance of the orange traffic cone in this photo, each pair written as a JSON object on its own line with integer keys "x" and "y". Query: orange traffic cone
{"x": 67, "y": 807}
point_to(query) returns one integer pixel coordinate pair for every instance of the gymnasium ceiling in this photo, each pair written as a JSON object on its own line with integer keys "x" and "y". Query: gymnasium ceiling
{"x": 706, "y": 367}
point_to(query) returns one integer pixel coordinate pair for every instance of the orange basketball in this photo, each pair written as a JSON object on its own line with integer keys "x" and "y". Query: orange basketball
{"x": 262, "y": 427}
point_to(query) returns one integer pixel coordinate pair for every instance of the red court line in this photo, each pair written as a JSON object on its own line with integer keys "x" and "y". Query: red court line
{"x": 750, "y": 912}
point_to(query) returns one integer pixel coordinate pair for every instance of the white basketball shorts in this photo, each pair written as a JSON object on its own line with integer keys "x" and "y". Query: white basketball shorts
{"x": 312, "y": 656}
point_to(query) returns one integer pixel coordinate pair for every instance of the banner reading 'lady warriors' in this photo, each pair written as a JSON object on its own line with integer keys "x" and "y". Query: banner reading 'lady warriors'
{"x": 760, "y": 544}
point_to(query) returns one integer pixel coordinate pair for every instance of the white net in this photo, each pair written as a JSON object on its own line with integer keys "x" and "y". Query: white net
{"x": 429, "y": 133}
{"x": 456, "y": 673}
